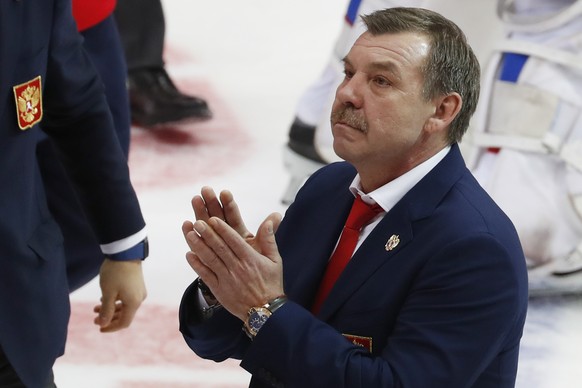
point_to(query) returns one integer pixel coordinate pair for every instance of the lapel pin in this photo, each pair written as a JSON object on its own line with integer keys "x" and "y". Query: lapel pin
{"x": 392, "y": 242}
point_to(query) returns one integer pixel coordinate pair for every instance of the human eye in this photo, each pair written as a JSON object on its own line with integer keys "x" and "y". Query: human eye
{"x": 382, "y": 81}
{"x": 348, "y": 74}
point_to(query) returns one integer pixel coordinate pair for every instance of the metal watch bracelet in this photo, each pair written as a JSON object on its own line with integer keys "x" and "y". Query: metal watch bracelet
{"x": 213, "y": 304}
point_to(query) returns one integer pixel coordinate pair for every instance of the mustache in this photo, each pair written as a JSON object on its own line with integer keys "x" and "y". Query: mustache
{"x": 348, "y": 116}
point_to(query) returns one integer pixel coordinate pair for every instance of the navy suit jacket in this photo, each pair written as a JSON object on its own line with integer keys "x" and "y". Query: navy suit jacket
{"x": 444, "y": 308}
{"x": 39, "y": 38}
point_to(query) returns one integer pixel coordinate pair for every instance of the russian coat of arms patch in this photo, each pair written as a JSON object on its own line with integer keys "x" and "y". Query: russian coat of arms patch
{"x": 28, "y": 98}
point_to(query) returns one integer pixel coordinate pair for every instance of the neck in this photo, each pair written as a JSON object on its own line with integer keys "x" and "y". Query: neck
{"x": 377, "y": 174}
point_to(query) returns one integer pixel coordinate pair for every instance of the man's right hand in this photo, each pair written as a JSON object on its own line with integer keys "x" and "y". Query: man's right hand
{"x": 209, "y": 205}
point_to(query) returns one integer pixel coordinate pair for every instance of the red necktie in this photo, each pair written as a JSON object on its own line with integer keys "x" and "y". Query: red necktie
{"x": 359, "y": 216}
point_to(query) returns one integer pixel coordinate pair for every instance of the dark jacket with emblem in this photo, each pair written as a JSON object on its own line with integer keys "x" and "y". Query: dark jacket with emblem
{"x": 444, "y": 308}
{"x": 39, "y": 38}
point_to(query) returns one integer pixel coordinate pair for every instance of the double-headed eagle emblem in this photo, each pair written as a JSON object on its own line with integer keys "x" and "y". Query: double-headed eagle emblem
{"x": 28, "y": 98}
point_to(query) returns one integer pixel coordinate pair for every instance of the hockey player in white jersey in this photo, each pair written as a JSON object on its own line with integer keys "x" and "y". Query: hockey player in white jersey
{"x": 525, "y": 141}
{"x": 527, "y": 135}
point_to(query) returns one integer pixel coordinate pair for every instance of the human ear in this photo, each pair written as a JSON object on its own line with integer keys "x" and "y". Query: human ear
{"x": 448, "y": 108}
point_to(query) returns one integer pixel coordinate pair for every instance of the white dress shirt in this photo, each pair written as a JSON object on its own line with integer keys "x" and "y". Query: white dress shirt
{"x": 388, "y": 195}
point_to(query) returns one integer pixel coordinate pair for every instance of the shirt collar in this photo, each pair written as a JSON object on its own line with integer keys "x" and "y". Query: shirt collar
{"x": 388, "y": 195}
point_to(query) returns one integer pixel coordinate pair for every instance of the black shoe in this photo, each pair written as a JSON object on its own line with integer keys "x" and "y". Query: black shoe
{"x": 155, "y": 100}
{"x": 302, "y": 141}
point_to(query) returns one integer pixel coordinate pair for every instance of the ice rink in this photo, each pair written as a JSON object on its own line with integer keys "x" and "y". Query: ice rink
{"x": 251, "y": 61}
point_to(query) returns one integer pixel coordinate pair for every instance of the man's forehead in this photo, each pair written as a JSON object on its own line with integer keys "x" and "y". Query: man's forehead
{"x": 379, "y": 65}
{"x": 388, "y": 39}
{"x": 391, "y": 49}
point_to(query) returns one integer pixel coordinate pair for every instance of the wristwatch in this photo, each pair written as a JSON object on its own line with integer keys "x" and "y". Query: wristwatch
{"x": 206, "y": 293}
{"x": 257, "y": 316}
{"x": 213, "y": 304}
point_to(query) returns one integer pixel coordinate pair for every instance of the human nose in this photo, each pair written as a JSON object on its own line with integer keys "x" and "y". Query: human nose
{"x": 349, "y": 92}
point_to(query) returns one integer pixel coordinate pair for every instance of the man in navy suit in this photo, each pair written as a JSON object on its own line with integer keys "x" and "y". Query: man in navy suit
{"x": 47, "y": 80}
{"x": 435, "y": 294}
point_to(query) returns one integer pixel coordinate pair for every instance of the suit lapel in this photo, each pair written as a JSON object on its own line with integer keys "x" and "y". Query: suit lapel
{"x": 371, "y": 255}
{"x": 10, "y": 25}
{"x": 324, "y": 233}
{"x": 418, "y": 203}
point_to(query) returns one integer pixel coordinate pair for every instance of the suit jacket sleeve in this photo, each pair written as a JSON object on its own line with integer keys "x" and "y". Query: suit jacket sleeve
{"x": 78, "y": 120}
{"x": 217, "y": 338}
